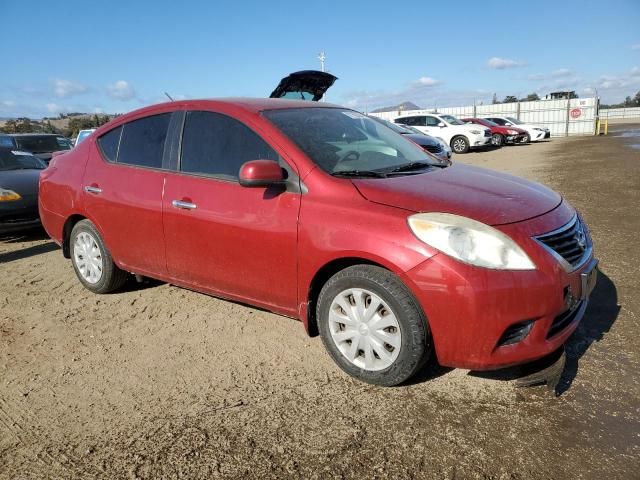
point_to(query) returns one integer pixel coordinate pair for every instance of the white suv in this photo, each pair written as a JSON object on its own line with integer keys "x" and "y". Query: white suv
{"x": 535, "y": 132}
{"x": 454, "y": 132}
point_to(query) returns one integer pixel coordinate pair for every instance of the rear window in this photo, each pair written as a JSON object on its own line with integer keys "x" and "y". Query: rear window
{"x": 42, "y": 143}
{"x": 142, "y": 141}
{"x": 109, "y": 144}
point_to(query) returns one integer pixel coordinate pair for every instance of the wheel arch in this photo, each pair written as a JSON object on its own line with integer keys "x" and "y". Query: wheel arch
{"x": 324, "y": 273}
{"x": 69, "y": 223}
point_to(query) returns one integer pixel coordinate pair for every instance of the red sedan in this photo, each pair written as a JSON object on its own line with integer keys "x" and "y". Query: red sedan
{"x": 319, "y": 213}
{"x": 500, "y": 135}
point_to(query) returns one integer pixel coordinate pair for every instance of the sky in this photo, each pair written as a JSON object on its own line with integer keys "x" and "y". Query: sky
{"x": 116, "y": 56}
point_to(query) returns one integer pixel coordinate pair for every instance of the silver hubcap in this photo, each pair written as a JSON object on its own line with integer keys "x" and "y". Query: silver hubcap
{"x": 458, "y": 145}
{"x": 88, "y": 257}
{"x": 364, "y": 329}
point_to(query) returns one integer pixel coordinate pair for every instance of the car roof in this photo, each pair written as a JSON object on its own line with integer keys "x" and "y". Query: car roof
{"x": 254, "y": 105}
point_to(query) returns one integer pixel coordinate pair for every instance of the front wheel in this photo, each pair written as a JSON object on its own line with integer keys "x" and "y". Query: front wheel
{"x": 460, "y": 145}
{"x": 527, "y": 138}
{"x": 372, "y": 326}
{"x": 497, "y": 140}
{"x": 92, "y": 261}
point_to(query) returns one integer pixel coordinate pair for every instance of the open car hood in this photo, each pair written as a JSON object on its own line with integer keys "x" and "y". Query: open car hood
{"x": 304, "y": 85}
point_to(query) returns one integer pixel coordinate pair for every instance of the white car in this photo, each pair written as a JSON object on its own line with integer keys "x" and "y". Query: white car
{"x": 535, "y": 132}
{"x": 459, "y": 135}
{"x": 82, "y": 134}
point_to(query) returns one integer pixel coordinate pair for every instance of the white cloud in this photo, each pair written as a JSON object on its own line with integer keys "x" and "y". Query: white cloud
{"x": 65, "y": 88}
{"x": 561, "y": 72}
{"x": 55, "y": 108}
{"x": 121, "y": 90}
{"x": 427, "y": 82}
{"x": 498, "y": 63}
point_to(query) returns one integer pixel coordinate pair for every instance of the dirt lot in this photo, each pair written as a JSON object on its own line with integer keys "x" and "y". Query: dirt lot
{"x": 160, "y": 382}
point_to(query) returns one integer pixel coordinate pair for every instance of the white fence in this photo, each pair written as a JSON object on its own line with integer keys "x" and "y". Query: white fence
{"x": 619, "y": 113}
{"x": 563, "y": 117}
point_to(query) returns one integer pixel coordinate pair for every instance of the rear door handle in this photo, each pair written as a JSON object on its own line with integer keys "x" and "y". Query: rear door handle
{"x": 92, "y": 189}
{"x": 184, "y": 205}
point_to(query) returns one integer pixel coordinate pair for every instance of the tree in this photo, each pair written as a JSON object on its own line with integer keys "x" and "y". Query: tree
{"x": 532, "y": 97}
{"x": 510, "y": 99}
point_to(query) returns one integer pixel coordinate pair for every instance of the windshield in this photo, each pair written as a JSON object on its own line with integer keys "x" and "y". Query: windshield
{"x": 43, "y": 143}
{"x": 15, "y": 160}
{"x": 451, "y": 120}
{"x": 340, "y": 140}
{"x": 514, "y": 121}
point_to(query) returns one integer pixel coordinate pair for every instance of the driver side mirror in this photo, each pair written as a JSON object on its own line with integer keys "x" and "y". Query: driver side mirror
{"x": 261, "y": 173}
{"x": 441, "y": 125}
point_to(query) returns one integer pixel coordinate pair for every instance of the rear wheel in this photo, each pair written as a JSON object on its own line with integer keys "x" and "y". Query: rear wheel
{"x": 460, "y": 144}
{"x": 497, "y": 140}
{"x": 92, "y": 261}
{"x": 527, "y": 138}
{"x": 372, "y": 326}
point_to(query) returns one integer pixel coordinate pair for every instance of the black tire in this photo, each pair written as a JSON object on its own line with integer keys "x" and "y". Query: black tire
{"x": 112, "y": 277}
{"x": 527, "y": 138}
{"x": 460, "y": 144}
{"x": 415, "y": 344}
{"x": 497, "y": 140}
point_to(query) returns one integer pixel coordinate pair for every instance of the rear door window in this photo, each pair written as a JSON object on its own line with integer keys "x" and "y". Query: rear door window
{"x": 432, "y": 121}
{"x": 109, "y": 143}
{"x": 218, "y": 145}
{"x": 142, "y": 141}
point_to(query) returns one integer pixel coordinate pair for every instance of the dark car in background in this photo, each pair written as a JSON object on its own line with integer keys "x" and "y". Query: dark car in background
{"x": 42, "y": 145}
{"x": 19, "y": 175}
{"x": 426, "y": 142}
{"x": 501, "y": 135}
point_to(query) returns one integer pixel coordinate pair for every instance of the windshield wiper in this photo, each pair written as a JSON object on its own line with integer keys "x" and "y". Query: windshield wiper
{"x": 407, "y": 167}
{"x": 358, "y": 173}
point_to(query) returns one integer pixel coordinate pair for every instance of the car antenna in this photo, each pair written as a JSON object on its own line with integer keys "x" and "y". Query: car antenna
{"x": 168, "y": 96}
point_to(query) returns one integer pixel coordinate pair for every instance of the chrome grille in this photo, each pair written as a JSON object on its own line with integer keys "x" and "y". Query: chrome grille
{"x": 570, "y": 243}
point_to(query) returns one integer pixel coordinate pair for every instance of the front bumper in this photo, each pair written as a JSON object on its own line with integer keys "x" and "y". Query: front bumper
{"x": 479, "y": 141}
{"x": 470, "y": 309}
{"x": 515, "y": 138}
{"x": 19, "y": 215}
{"x": 537, "y": 135}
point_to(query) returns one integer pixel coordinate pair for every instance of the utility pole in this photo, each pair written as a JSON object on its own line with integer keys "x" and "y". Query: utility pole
{"x": 322, "y": 57}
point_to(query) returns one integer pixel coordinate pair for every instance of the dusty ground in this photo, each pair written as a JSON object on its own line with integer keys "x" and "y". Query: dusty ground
{"x": 160, "y": 382}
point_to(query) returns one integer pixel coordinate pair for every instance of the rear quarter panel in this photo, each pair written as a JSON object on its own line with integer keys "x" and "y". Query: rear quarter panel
{"x": 60, "y": 189}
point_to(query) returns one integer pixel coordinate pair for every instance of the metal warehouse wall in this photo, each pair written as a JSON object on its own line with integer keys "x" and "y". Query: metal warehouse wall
{"x": 619, "y": 113}
{"x": 563, "y": 117}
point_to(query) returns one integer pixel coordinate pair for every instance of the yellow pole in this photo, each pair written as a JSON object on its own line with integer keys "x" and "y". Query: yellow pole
{"x": 598, "y": 127}
{"x": 606, "y": 126}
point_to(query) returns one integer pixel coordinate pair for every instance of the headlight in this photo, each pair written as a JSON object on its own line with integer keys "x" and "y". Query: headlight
{"x": 539, "y": 129}
{"x": 512, "y": 132}
{"x": 469, "y": 241}
{"x": 7, "y": 195}
{"x": 476, "y": 132}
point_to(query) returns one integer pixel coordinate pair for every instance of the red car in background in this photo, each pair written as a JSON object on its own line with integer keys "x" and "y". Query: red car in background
{"x": 500, "y": 135}
{"x": 320, "y": 213}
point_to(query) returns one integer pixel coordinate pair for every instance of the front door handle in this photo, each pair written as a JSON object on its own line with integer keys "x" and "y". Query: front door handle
{"x": 184, "y": 205}
{"x": 92, "y": 189}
